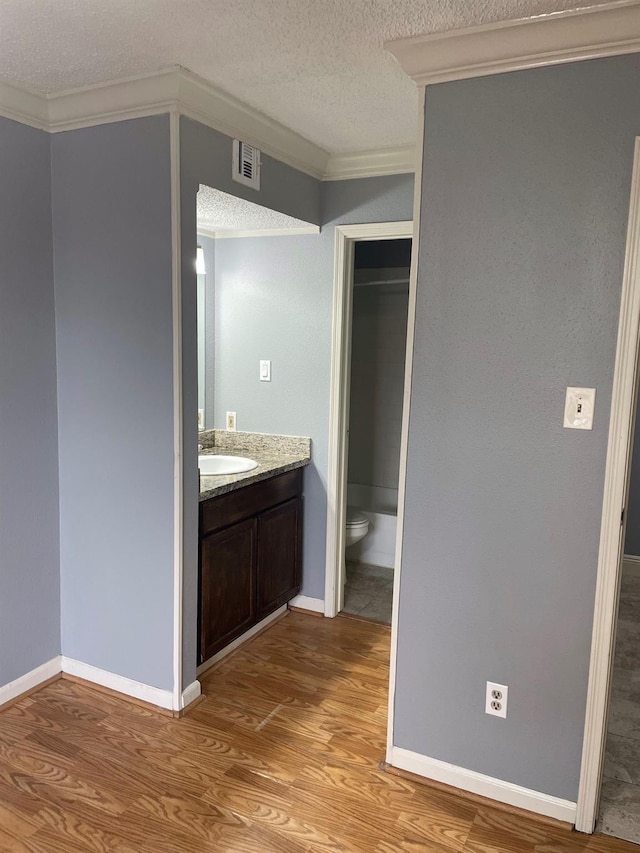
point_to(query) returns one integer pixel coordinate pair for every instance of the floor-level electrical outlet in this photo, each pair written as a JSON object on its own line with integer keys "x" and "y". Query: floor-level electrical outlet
{"x": 496, "y": 699}
{"x": 231, "y": 421}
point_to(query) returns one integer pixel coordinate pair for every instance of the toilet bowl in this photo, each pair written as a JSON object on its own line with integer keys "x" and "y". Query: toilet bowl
{"x": 357, "y": 526}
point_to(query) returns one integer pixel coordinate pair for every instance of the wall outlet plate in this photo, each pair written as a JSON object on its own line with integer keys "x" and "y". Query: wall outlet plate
{"x": 231, "y": 421}
{"x": 496, "y": 699}
{"x": 578, "y": 408}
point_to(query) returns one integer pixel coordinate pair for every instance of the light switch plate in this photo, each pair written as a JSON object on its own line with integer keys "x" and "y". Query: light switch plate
{"x": 578, "y": 408}
{"x": 265, "y": 371}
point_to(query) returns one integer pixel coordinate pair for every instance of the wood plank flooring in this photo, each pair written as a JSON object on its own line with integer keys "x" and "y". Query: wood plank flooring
{"x": 282, "y": 757}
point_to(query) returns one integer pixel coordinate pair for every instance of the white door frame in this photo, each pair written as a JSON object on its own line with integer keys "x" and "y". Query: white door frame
{"x": 616, "y": 486}
{"x": 346, "y": 237}
{"x": 178, "y": 433}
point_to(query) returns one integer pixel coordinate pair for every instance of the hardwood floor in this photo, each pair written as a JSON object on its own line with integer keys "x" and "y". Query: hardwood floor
{"x": 282, "y": 757}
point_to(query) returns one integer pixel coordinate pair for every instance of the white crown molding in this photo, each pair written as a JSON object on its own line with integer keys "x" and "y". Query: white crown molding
{"x": 133, "y": 97}
{"x": 370, "y": 164}
{"x": 265, "y": 232}
{"x": 23, "y": 106}
{"x": 176, "y": 90}
{"x": 589, "y": 33}
{"x": 201, "y": 101}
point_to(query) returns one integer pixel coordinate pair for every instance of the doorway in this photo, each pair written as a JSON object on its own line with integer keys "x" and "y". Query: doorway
{"x": 380, "y": 308}
{"x": 613, "y": 524}
{"x": 368, "y": 582}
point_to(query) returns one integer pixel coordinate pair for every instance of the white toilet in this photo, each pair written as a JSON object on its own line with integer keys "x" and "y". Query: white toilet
{"x": 357, "y": 526}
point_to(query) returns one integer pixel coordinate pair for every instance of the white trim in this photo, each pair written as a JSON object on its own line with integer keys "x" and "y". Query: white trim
{"x": 30, "y": 679}
{"x": 616, "y": 485}
{"x": 371, "y": 164}
{"x": 485, "y": 786}
{"x": 265, "y": 232}
{"x": 178, "y": 439}
{"x": 23, "y": 106}
{"x": 127, "y": 686}
{"x": 191, "y": 693}
{"x": 203, "y": 102}
{"x": 406, "y": 409}
{"x": 178, "y": 90}
{"x": 305, "y": 602}
{"x": 117, "y": 100}
{"x": 559, "y": 37}
{"x": 338, "y": 399}
{"x": 223, "y": 653}
{"x": 345, "y": 238}
{"x": 166, "y": 91}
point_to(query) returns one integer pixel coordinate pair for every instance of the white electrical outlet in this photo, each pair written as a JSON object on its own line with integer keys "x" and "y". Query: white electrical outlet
{"x": 496, "y": 699}
{"x": 231, "y": 421}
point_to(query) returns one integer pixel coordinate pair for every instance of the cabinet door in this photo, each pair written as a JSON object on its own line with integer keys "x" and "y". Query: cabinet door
{"x": 227, "y": 586}
{"x": 279, "y": 555}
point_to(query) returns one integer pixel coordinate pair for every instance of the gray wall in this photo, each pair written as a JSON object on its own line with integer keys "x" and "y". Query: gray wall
{"x": 525, "y": 199}
{"x": 112, "y": 250}
{"x": 29, "y": 541}
{"x": 274, "y": 300}
{"x": 205, "y": 158}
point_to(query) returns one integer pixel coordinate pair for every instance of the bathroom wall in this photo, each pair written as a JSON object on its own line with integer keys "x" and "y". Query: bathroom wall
{"x": 29, "y": 516}
{"x": 279, "y": 290}
{"x": 112, "y": 250}
{"x": 209, "y": 249}
{"x": 524, "y": 211}
{"x": 378, "y": 351}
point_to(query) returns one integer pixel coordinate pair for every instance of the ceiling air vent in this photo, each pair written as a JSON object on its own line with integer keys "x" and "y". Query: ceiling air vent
{"x": 246, "y": 164}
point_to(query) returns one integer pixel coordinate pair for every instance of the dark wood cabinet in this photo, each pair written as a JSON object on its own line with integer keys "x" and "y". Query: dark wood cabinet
{"x": 279, "y": 556}
{"x": 250, "y": 557}
{"x": 228, "y": 578}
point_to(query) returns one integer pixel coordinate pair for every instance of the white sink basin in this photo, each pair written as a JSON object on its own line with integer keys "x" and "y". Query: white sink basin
{"x": 212, "y": 464}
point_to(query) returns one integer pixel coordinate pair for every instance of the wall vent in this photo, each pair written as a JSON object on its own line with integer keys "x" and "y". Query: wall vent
{"x": 246, "y": 164}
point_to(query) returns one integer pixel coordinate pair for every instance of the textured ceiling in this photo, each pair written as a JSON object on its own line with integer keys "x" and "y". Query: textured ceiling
{"x": 218, "y": 211}
{"x": 317, "y": 66}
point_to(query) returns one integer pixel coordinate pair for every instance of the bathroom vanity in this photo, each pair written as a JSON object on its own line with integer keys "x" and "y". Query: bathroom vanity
{"x": 250, "y": 542}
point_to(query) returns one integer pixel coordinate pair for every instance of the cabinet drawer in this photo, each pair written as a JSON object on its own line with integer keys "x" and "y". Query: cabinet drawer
{"x": 232, "y": 507}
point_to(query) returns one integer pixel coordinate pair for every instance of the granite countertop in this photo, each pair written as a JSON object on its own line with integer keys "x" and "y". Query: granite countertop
{"x": 274, "y": 454}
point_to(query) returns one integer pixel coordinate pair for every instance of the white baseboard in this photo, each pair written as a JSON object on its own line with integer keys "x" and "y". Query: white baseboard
{"x": 58, "y": 664}
{"x": 30, "y": 680}
{"x": 485, "y": 786}
{"x": 153, "y": 695}
{"x": 304, "y": 602}
{"x": 191, "y": 693}
{"x": 240, "y": 640}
